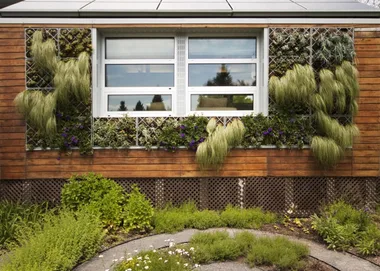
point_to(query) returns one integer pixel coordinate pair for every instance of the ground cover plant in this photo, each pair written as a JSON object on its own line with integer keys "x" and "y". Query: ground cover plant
{"x": 205, "y": 248}
{"x": 59, "y": 243}
{"x": 173, "y": 219}
{"x": 343, "y": 227}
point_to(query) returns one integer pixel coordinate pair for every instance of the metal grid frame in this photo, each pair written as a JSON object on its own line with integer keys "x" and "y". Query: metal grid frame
{"x": 304, "y": 195}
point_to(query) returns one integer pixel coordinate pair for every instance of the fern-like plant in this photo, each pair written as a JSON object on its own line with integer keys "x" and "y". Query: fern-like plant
{"x": 71, "y": 81}
{"x": 212, "y": 152}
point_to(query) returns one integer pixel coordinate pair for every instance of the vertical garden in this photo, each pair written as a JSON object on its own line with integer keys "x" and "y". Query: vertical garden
{"x": 312, "y": 101}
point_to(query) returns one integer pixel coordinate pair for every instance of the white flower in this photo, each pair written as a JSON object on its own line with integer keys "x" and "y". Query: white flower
{"x": 129, "y": 259}
{"x": 139, "y": 258}
{"x": 129, "y": 269}
{"x": 137, "y": 264}
{"x": 135, "y": 251}
{"x": 191, "y": 249}
{"x": 178, "y": 263}
{"x": 160, "y": 259}
{"x": 151, "y": 246}
{"x": 165, "y": 261}
{"x": 146, "y": 267}
{"x": 146, "y": 257}
{"x": 101, "y": 256}
{"x": 186, "y": 264}
{"x": 171, "y": 244}
{"x": 154, "y": 251}
{"x": 170, "y": 252}
{"x": 121, "y": 258}
{"x": 115, "y": 260}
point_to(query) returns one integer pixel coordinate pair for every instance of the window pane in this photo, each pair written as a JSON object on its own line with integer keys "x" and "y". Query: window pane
{"x": 160, "y": 48}
{"x": 225, "y": 102}
{"x": 147, "y": 102}
{"x": 222, "y": 75}
{"x": 222, "y": 48}
{"x": 140, "y": 75}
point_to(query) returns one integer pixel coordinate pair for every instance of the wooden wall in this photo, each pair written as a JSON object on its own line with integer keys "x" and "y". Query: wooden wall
{"x": 16, "y": 163}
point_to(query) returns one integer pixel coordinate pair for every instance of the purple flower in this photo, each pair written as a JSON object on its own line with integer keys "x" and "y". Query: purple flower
{"x": 270, "y": 130}
{"x": 64, "y": 135}
{"x": 182, "y": 127}
{"x": 195, "y": 127}
{"x": 74, "y": 140}
{"x": 182, "y": 135}
{"x": 265, "y": 133}
{"x": 281, "y": 132}
{"x": 59, "y": 115}
{"x": 67, "y": 117}
{"x": 66, "y": 144}
{"x": 192, "y": 142}
{"x": 201, "y": 139}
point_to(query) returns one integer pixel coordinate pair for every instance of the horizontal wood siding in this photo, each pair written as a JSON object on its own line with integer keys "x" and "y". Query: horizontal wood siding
{"x": 16, "y": 163}
{"x": 12, "y": 81}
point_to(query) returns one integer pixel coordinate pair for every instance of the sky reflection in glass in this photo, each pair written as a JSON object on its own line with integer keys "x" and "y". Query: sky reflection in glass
{"x": 146, "y": 102}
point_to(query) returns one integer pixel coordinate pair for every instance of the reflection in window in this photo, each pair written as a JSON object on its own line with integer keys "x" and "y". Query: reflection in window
{"x": 212, "y": 48}
{"x": 131, "y": 102}
{"x": 221, "y": 102}
{"x": 140, "y": 48}
{"x": 140, "y": 75}
{"x": 222, "y": 75}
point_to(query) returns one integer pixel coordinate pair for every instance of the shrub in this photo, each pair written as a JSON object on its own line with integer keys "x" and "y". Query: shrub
{"x": 172, "y": 219}
{"x": 246, "y": 218}
{"x": 277, "y": 251}
{"x": 204, "y": 220}
{"x": 138, "y": 211}
{"x": 59, "y": 243}
{"x": 101, "y": 195}
{"x": 342, "y": 227}
{"x": 13, "y": 216}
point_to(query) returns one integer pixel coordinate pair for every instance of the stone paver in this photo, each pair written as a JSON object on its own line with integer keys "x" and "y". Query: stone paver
{"x": 340, "y": 261}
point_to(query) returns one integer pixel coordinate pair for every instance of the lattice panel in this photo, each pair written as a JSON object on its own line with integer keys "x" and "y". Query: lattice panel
{"x": 221, "y": 192}
{"x": 46, "y": 190}
{"x": 178, "y": 191}
{"x": 267, "y": 193}
{"x": 377, "y": 191}
{"x": 12, "y": 190}
{"x": 352, "y": 190}
{"x": 147, "y": 187}
{"x": 309, "y": 194}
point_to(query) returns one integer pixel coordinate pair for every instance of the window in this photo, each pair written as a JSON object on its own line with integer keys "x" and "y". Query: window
{"x": 222, "y": 74}
{"x": 181, "y": 74}
{"x": 139, "y": 76}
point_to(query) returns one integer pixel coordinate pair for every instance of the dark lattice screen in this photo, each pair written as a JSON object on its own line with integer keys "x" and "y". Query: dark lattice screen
{"x": 277, "y": 194}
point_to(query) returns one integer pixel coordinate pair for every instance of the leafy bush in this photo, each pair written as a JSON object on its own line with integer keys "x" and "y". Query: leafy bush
{"x": 204, "y": 220}
{"x": 59, "y": 243}
{"x": 138, "y": 211}
{"x": 14, "y": 216}
{"x": 279, "y": 252}
{"x": 342, "y": 227}
{"x": 101, "y": 195}
{"x": 254, "y": 218}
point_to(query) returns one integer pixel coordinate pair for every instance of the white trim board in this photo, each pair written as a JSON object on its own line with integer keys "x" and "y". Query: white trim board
{"x": 184, "y": 21}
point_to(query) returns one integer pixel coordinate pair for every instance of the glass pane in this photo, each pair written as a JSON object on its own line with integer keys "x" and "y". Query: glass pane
{"x": 225, "y": 102}
{"x": 140, "y": 75}
{"x": 160, "y": 48}
{"x": 222, "y": 48}
{"x": 222, "y": 75}
{"x": 148, "y": 102}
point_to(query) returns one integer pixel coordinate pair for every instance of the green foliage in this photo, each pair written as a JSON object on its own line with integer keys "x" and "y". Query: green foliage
{"x": 212, "y": 152}
{"x": 254, "y": 218}
{"x": 74, "y": 41}
{"x": 71, "y": 94}
{"x": 163, "y": 260}
{"x": 333, "y": 50}
{"x": 277, "y": 251}
{"x": 58, "y": 244}
{"x": 281, "y": 129}
{"x": 296, "y": 86}
{"x": 15, "y": 216}
{"x": 119, "y": 133}
{"x": 337, "y": 94}
{"x": 172, "y": 219}
{"x": 100, "y": 195}
{"x": 342, "y": 227}
{"x": 138, "y": 211}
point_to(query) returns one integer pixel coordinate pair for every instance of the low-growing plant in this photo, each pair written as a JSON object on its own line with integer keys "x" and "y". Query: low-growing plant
{"x": 138, "y": 211}
{"x": 15, "y": 216}
{"x": 342, "y": 227}
{"x": 58, "y": 244}
{"x": 277, "y": 251}
{"x": 173, "y": 259}
{"x": 253, "y": 218}
{"x": 101, "y": 195}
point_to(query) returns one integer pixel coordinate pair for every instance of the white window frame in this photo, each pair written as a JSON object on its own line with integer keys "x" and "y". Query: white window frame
{"x": 106, "y": 91}
{"x": 101, "y": 92}
{"x": 244, "y": 90}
